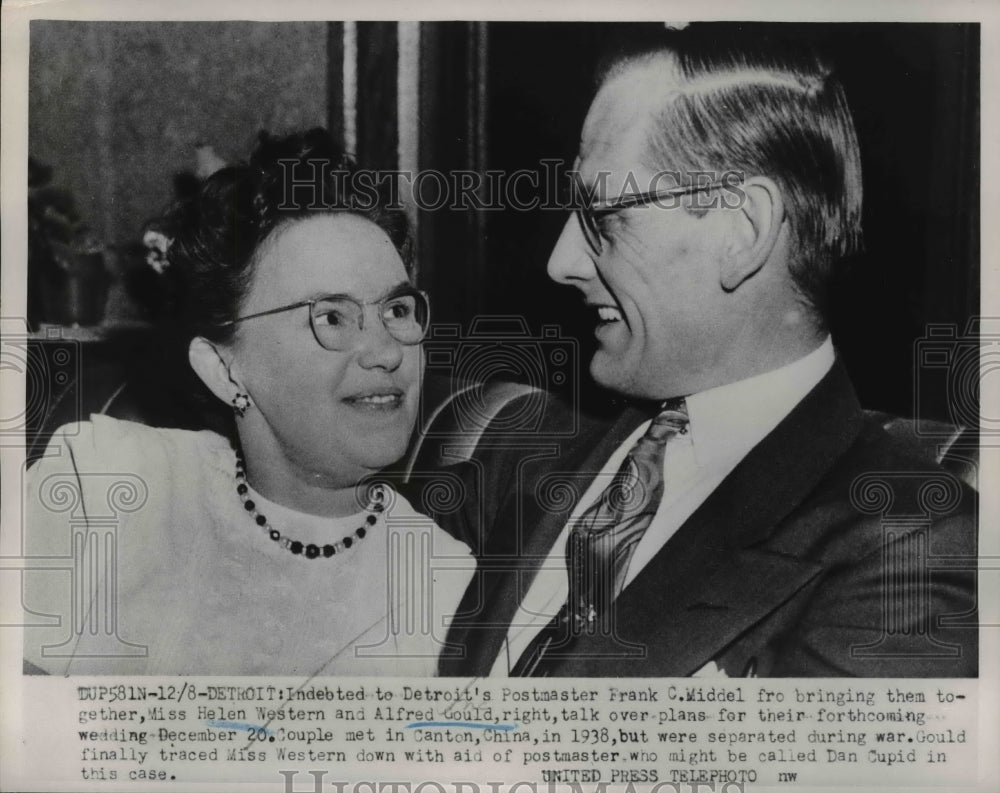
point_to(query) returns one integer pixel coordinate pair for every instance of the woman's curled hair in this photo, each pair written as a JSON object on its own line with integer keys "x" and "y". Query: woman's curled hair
{"x": 217, "y": 232}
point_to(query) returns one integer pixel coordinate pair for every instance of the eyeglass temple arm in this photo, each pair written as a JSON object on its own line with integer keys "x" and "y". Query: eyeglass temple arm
{"x": 278, "y": 310}
{"x": 641, "y": 199}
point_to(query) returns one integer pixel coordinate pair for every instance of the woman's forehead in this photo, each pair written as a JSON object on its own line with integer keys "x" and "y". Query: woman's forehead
{"x": 323, "y": 254}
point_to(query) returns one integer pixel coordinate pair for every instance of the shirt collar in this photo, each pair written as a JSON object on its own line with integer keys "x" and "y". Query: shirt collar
{"x": 726, "y": 422}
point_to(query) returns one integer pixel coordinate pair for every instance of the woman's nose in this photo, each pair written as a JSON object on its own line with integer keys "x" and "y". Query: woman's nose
{"x": 570, "y": 261}
{"x": 377, "y": 348}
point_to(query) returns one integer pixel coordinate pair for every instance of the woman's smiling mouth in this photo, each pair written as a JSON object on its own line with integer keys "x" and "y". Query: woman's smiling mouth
{"x": 388, "y": 399}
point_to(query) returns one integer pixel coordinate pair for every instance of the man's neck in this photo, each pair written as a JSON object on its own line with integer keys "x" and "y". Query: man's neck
{"x": 776, "y": 353}
{"x": 763, "y": 345}
{"x": 741, "y": 362}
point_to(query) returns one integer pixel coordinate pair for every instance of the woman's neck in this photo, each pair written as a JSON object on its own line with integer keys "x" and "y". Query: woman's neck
{"x": 280, "y": 480}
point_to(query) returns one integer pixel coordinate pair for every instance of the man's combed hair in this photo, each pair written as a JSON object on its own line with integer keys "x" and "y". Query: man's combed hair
{"x": 753, "y": 102}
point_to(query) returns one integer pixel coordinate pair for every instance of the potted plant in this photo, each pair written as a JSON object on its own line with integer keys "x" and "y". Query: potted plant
{"x": 68, "y": 280}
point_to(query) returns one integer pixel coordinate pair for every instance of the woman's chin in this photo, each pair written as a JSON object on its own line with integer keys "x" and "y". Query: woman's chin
{"x": 376, "y": 437}
{"x": 375, "y": 453}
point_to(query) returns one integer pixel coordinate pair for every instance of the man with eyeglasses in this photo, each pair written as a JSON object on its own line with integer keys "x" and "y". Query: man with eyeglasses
{"x": 733, "y": 528}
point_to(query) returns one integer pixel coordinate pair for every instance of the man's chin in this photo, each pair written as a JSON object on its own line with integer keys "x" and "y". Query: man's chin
{"x": 616, "y": 372}
{"x": 609, "y": 371}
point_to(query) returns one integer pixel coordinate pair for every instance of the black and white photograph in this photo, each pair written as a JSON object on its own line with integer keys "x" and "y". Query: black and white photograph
{"x": 356, "y": 369}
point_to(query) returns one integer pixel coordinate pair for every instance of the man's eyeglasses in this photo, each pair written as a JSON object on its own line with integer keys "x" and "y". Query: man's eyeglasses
{"x": 338, "y": 320}
{"x": 589, "y": 214}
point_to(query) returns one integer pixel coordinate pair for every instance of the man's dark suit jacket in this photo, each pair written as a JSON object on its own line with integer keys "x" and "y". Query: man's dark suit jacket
{"x": 831, "y": 549}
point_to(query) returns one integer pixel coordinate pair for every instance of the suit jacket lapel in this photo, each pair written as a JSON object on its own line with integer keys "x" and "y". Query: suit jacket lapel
{"x": 707, "y": 585}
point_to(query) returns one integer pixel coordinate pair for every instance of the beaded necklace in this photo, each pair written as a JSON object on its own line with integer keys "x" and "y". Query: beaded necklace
{"x": 376, "y": 504}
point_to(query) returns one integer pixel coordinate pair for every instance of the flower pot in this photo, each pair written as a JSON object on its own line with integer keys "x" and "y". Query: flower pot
{"x": 76, "y": 290}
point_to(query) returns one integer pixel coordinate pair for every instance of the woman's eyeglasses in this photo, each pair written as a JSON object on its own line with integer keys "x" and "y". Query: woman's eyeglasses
{"x": 589, "y": 214}
{"x": 339, "y": 320}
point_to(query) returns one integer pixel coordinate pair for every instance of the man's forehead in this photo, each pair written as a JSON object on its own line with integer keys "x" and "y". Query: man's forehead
{"x": 617, "y": 127}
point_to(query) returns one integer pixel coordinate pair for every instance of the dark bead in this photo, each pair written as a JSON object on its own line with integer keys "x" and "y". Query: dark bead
{"x": 241, "y": 489}
{"x": 261, "y": 520}
{"x": 249, "y": 506}
{"x": 378, "y": 507}
{"x": 329, "y": 550}
{"x": 348, "y": 542}
{"x": 361, "y": 533}
{"x": 371, "y": 520}
{"x": 295, "y": 547}
{"x": 312, "y": 551}
{"x": 275, "y": 534}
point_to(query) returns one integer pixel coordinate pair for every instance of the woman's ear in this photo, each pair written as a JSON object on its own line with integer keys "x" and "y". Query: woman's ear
{"x": 757, "y": 224}
{"x": 209, "y": 364}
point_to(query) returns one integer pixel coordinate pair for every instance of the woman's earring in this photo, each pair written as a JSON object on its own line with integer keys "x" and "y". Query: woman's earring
{"x": 241, "y": 404}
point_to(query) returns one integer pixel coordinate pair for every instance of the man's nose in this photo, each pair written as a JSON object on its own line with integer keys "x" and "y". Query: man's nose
{"x": 570, "y": 261}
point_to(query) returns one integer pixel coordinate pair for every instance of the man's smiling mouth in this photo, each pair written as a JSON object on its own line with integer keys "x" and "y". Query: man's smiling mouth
{"x": 608, "y": 314}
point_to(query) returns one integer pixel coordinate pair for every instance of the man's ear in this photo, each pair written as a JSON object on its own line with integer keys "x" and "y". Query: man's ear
{"x": 210, "y": 365}
{"x": 757, "y": 223}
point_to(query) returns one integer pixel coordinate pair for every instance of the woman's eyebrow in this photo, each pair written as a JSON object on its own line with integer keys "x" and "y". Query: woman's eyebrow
{"x": 393, "y": 291}
{"x": 401, "y": 288}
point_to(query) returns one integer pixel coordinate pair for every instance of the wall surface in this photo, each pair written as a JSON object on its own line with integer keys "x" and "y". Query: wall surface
{"x": 117, "y": 108}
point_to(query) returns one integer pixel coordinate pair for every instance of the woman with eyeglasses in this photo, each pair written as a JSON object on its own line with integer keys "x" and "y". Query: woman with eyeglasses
{"x": 265, "y": 553}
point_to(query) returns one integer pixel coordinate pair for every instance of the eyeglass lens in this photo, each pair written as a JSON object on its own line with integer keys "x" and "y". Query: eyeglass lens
{"x": 581, "y": 208}
{"x": 588, "y": 225}
{"x": 337, "y": 322}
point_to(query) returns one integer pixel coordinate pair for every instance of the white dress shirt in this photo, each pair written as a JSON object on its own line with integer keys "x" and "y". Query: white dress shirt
{"x": 725, "y": 424}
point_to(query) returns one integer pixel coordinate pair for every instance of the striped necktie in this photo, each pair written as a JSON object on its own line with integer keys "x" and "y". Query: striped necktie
{"x": 602, "y": 542}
